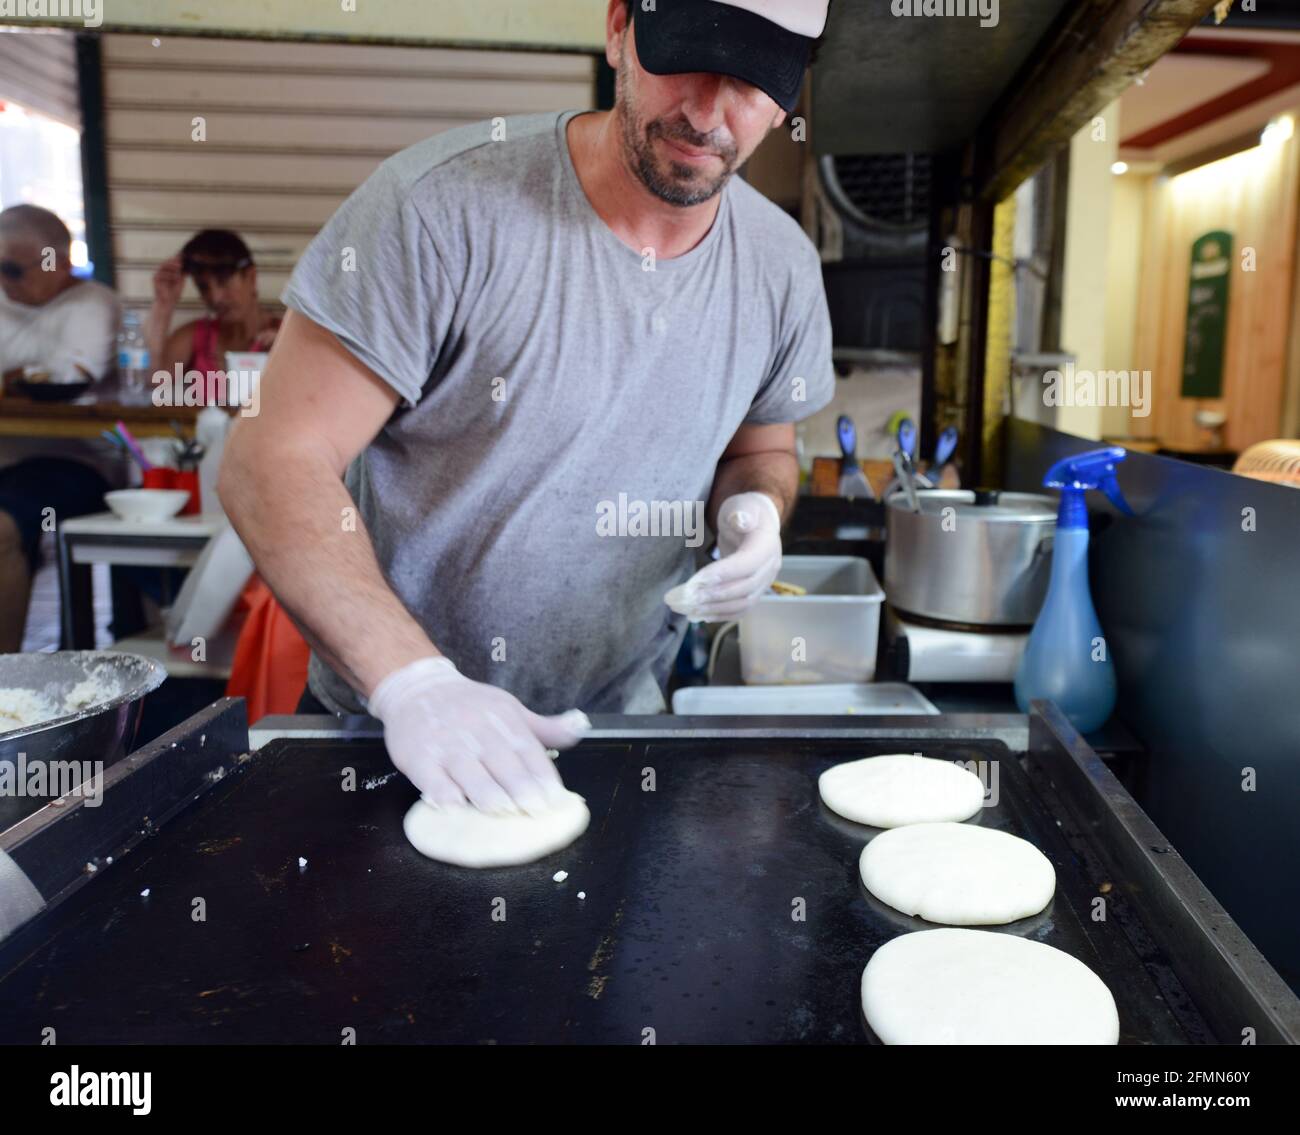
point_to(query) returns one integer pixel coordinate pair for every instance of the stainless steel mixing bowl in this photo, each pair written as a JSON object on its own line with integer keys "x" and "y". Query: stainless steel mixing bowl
{"x": 102, "y": 732}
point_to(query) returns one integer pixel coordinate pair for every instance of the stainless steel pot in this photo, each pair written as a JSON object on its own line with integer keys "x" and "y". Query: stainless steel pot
{"x": 104, "y": 731}
{"x": 981, "y": 558}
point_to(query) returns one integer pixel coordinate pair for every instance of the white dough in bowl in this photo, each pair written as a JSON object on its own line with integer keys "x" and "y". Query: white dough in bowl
{"x": 467, "y": 837}
{"x": 981, "y": 987}
{"x": 901, "y": 788}
{"x": 958, "y": 874}
{"x": 20, "y": 708}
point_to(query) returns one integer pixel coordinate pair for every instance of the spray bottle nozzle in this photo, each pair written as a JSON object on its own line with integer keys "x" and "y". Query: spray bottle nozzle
{"x": 1092, "y": 470}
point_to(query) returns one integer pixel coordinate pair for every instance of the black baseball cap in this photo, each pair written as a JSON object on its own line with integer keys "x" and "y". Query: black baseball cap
{"x": 763, "y": 42}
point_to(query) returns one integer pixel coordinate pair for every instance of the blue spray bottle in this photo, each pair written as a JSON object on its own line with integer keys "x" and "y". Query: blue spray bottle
{"x": 1066, "y": 658}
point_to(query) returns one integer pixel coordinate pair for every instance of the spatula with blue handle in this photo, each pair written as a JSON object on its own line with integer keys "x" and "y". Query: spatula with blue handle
{"x": 853, "y": 482}
{"x": 943, "y": 451}
{"x": 905, "y": 471}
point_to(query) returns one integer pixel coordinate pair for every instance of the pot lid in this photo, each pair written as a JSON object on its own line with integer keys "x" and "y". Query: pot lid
{"x": 983, "y": 505}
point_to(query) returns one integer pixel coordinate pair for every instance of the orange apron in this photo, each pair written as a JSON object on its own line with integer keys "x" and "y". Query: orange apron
{"x": 270, "y": 666}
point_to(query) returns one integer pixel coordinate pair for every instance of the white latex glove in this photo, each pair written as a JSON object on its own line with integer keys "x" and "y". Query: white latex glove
{"x": 458, "y": 740}
{"x": 749, "y": 550}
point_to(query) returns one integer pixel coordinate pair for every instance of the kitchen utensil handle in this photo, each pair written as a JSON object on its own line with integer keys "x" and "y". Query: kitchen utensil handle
{"x": 907, "y": 437}
{"x": 946, "y": 447}
{"x": 848, "y": 435}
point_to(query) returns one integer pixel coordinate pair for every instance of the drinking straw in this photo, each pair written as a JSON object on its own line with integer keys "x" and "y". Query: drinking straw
{"x": 133, "y": 446}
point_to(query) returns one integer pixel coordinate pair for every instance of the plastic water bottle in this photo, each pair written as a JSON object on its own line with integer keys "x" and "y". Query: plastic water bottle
{"x": 133, "y": 360}
{"x": 1067, "y": 659}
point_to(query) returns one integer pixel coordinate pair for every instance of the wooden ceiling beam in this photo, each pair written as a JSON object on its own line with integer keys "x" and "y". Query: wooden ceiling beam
{"x": 1094, "y": 51}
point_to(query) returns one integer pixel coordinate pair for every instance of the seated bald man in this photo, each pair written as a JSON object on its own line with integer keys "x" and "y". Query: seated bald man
{"x": 52, "y": 320}
{"x": 48, "y": 317}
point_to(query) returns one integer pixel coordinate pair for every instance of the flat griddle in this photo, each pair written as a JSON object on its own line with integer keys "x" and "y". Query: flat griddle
{"x": 686, "y": 928}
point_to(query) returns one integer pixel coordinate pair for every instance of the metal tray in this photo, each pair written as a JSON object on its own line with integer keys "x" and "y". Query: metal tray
{"x": 835, "y": 698}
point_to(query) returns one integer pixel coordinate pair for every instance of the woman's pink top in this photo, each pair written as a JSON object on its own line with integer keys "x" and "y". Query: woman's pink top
{"x": 207, "y": 336}
{"x": 203, "y": 358}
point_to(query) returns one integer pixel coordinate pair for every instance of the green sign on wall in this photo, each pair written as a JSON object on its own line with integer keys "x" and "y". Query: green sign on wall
{"x": 1207, "y": 315}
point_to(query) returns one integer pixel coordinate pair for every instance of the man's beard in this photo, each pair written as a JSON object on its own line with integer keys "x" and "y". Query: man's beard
{"x": 678, "y": 183}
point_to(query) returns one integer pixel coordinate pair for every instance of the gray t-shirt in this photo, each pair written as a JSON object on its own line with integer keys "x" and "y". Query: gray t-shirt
{"x": 557, "y": 399}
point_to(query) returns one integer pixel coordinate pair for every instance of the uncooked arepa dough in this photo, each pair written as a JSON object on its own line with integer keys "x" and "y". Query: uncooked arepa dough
{"x": 982, "y": 987}
{"x": 467, "y": 837}
{"x": 958, "y": 874}
{"x": 901, "y": 788}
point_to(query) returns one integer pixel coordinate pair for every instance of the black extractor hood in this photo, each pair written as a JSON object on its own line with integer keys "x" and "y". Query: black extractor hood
{"x": 875, "y": 287}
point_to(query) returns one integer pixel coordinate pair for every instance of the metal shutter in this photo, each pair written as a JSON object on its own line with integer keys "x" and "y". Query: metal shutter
{"x": 292, "y": 129}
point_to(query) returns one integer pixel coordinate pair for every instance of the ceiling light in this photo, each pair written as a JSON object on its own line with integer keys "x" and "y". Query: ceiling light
{"x": 1277, "y": 131}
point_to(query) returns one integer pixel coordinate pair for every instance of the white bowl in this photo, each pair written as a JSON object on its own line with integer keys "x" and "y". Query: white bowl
{"x": 147, "y": 505}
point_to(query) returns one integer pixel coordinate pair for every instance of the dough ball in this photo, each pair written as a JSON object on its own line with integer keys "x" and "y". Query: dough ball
{"x": 958, "y": 874}
{"x": 901, "y": 788}
{"x": 982, "y": 987}
{"x": 467, "y": 837}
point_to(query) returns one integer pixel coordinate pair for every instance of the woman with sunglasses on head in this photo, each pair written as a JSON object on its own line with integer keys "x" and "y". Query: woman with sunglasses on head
{"x": 224, "y": 273}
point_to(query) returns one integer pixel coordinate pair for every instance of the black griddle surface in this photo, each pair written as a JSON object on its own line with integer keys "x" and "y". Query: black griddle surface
{"x": 687, "y": 928}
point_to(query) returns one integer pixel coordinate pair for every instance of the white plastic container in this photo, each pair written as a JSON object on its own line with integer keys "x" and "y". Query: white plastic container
{"x": 244, "y": 376}
{"x": 828, "y": 635}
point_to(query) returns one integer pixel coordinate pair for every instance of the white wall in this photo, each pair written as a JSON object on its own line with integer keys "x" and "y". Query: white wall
{"x": 1124, "y": 275}
{"x": 1086, "y": 277}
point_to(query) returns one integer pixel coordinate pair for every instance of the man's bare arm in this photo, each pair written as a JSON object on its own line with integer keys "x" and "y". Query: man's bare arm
{"x": 282, "y": 487}
{"x": 758, "y": 459}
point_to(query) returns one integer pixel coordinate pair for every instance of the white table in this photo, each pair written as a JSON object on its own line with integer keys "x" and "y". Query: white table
{"x": 107, "y": 539}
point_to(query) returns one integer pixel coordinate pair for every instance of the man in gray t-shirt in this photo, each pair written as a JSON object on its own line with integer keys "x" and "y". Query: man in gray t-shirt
{"x": 523, "y": 367}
